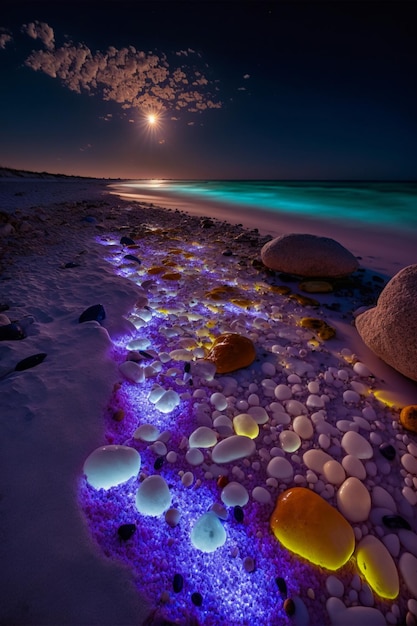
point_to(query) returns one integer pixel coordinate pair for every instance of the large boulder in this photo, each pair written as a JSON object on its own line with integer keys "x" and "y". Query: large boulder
{"x": 308, "y": 255}
{"x": 390, "y": 328}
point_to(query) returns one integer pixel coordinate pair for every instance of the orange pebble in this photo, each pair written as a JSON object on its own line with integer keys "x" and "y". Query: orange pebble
{"x": 231, "y": 352}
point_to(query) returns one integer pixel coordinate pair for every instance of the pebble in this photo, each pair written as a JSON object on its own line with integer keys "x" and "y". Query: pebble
{"x": 249, "y": 564}
{"x": 178, "y": 583}
{"x": 153, "y": 496}
{"x": 353, "y": 500}
{"x": 244, "y": 424}
{"x": 279, "y": 467}
{"x": 333, "y": 472}
{"x": 289, "y": 440}
{"x": 234, "y": 494}
{"x": 168, "y": 401}
{"x": 208, "y": 533}
{"x": 172, "y": 517}
{"x": 132, "y": 371}
{"x": 315, "y": 459}
{"x": 126, "y": 531}
{"x": 109, "y": 466}
{"x": 202, "y": 437}
{"x": 334, "y": 586}
{"x": 194, "y": 456}
{"x": 233, "y": 448}
{"x": 356, "y": 445}
{"x": 197, "y": 598}
{"x": 146, "y": 432}
{"x": 377, "y": 567}
{"x": 262, "y": 495}
{"x": 303, "y": 426}
{"x": 340, "y": 615}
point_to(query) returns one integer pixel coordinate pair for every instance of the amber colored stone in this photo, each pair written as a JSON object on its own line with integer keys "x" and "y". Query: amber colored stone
{"x": 222, "y": 293}
{"x": 118, "y": 415}
{"x": 156, "y": 270}
{"x": 309, "y": 526}
{"x": 319, "y": 327}
{"x": 316, "y": 286}
{"x": 283, "y": 290}
{"x": 408, "y": 417}
{"x": 242, "y": 302}
{"x": 231, "y": 352}
{"x": 304, "y": 300}
{"x": 222, "y": 481}
{"x": 289, "y": 606}
{"x": 171, "y": 276}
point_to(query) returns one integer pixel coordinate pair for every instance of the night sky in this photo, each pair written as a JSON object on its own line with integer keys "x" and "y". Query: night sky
{"x": 239, "y": 90}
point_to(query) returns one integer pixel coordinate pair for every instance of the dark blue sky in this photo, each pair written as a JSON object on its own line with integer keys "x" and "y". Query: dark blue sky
{"x": 299, "y": 90}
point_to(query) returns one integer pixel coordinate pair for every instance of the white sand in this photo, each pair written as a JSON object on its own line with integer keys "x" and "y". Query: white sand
{"x": 52, "y": 415}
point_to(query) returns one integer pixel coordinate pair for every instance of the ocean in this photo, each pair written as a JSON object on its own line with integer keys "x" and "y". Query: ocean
{"x": 380, "y": 205}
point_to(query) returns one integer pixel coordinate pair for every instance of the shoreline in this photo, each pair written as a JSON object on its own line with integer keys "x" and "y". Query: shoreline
{"x": 48, "y": 399}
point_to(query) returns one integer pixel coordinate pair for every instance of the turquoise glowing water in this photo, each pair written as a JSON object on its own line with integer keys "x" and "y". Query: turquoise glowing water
{"x": 388, "y": 205}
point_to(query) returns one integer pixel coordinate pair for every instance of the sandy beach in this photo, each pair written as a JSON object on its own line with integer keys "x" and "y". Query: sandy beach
{"x": 181, "y": 278}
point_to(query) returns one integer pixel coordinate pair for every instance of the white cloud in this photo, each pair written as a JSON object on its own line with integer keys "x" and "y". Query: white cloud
{"x": 134, "y": 79}
{"x": 246, "y": 76}
{"x": 42, "y": 31}
{"x": 5, "y": 38}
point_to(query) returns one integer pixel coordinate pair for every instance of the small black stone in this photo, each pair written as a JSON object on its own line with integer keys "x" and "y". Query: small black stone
{"x": 30, "y": 361}
{"x": 197, "y": 598}
{"x": 11, "y": 331}
{"x": 178, "y": 583}
{"x": 132, "y": 257}
{"x": 127, "y": 241}
{"x": 145, "y": 354}
{"x": 388, "y": 451}
{"x": 71, "y": 264}
{"x": 158, "y": 463}
{"x": 282, "y": 585}
{"x": 95, "y": 313}
{"x": 125, "y": 531}
{"x": 395, "y": 521}
{"x": 187, "y": 368}
{"x": 238, "y": 513}
{"x": 227, "y": 253}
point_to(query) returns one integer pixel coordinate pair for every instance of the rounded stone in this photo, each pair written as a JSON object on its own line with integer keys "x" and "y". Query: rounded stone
{"x": 356, "y": 445}
{"x": 202, "y": 437}
{"x": 244, "y": 424}
{"x": 308, "y": 256}
{"x": 146, "y": 432}
{"x": 353, "y": 500}
{"x": 378, "y": 567}
{"x": 408, "y": 569}
{"x": 408, "y": 417}
{"x": 233, "y": 448}
{"x": 153, "y": 496}
{"x": 289, "y": 440}
{"x": 234, "y": 494}
{"x": 333, "y": 472}
{"x": 306, "y": 524}
{"x": 280, "y": 468}
{"x": 303, "y": 427}
{"x": 231, "y": 352}
{"x": 109, "y": 466}
{"x": 208, "y": 533}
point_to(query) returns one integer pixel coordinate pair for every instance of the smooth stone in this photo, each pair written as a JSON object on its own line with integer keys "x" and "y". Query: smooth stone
{"x": 408, "y": 568}
{"x": 409, "y": 463}
{"x": 282, "y": 392}
{"x": 234, "y": 493}
{"x": 387, "y": 451}
{"x": 109, "y": 466}
{"x": 172, "y": 517}
{"x": 262, "y": 495}
{"x": 208, "y": 533}
{"x": 315, "y": 460}
{"x": 307, "y": 525}
{"x": 168, "y": 401}
{"x": 378, "y": 567}
{"x": 303, "y": 427}
{"x": 223, "y": 425}
{"x": 333, "y": 472}
{"x": 279, "y": 467}
{"x": 244, "y": 424}
{"x": 94, "y": 313}
{"x": 132, "y": 371}
{"x": 408, "y": 539}
{"x": 289, "y": 440}
{"x": 334, "y": 586}
{"x": 362, "y": 370}
{"x": 354, "y": 467}
{"x": 389, "y": 328}
{"x": 340, "y": 615}
{"x": 408, "y": 417}
{"x": 392, "y": 543}
{"x": 153, "y": 496}
{"x": 382, "y": 498}
{"x": 353, "y": 500}
{"x": 202, "y": 437}
{"x": 194, "y": 456}
{"x": 233, "y": 448}
{"x": 355, "y": 444}
{"x": 321, "y": 257}
{"x": 231, "y": 352}
{"x": 316, "y": 286}
{"x": 146, "y": 432}
{"x": 259, "y": 414}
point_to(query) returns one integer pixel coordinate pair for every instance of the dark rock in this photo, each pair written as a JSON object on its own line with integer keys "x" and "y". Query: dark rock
{"x": 127, "y": 241}
{"x": 158, "y": 463}
{"x": 227, "y": 253}
{"x": 178, "y": 583}
{"x": 289, "y": 606}
{"x": 126, "y": 531}
{"x": 197, "y": 598}
{"x": 71, "y": 264}
{"x": 387, "y": 451}
{"x": 132, "y": 257}
{"x": 90, "y": 219}
{"x": 95, "y": 313}
{"x": 282, "y": 585}
{"x": 238, "y": 513}
{"x": 11, "y": 331}
{"x": 395, "y": 521}
{"x": 30, "y": 361}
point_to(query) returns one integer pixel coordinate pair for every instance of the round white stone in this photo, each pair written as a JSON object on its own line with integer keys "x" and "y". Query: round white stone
{"x": 194, "y": 456}
{"x": 354, "y": 467}
{"x": 409, "y": 463}
{"x": 223, "y": 425}
{"x": 303, "y": 427}
{"x": 208, "y": 533}
{"x": 361, "y": 370}
{"x": 233, "y": 448}
{"x": 342, "y": 616}
{"x": 353, "y": 500}
{"x": 168, "y": 401}
{"x": 219, "y": 401}
{"x": 335, "y": 586}
{"x": 187, "y": 479}
{"x": 315, "y": 460}
{"x": 259, "y": 414}
{"x": 289, "y": 440}
{"x": 381, "y": 498}
{"x": 110, "y": 466}
{"x": 202, "y": 437}
{"x": 153, "y": 496}
{"x": 234, "y": 494}
{"x": 146, "y": 432}
{"x": 356, "y": 445}
{"x": 262, "y": 495}
{"x": 408, "y": 569}
{"x": 279, "y": 467}
{"x": 132, "y": 371}
{"x": 351, "y": 397}
{"x": 333, "y": 472}
{"x": 282, "y": 392}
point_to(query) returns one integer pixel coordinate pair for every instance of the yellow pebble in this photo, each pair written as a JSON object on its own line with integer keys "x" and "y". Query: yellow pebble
{"x": 309, "y": 526}
{"x": 318, "y": 327}
{"x": 244, "y": 424}
{"x": 378, "y": 567}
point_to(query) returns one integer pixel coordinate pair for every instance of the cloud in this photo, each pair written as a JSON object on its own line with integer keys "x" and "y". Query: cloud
{"x": 40, "y": 30}
{"x": 132, "y": 78}
{"x": 246, "y": 76}
{"x": 5, "y": 38}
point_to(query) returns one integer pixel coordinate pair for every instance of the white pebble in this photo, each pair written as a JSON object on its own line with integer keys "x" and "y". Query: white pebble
{"x": 234, "y": 494}
{"x": 279, "y": 467}
{"x": 282, "y": 392}
{"x": 351, "y": 397}
{"x": 361, "y": 370}
{"x": 289, "y": 440}
{"x": 132, "y": 371}
{"x": 146, "y": 432}
{"x": 219, "y": 401}
{"x": 260, "y": 494}
{"x": 335, "y": 586}
{"x": 194, "y": 456}
{"x": 356, "y": 445}
{"x": 233, "y": 448}
{"x": 187, "y": 479}
{"x": 303, "y": 427}
{"x": 202, "y": 437}
{"x": 334, "y": 472}
{"x": 353, "y": 500}
{"x": 172, "y": 457}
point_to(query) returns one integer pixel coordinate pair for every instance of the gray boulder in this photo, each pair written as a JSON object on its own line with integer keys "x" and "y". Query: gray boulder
{"x": 390, "y": 328}
{"x": 308, "y": 256}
